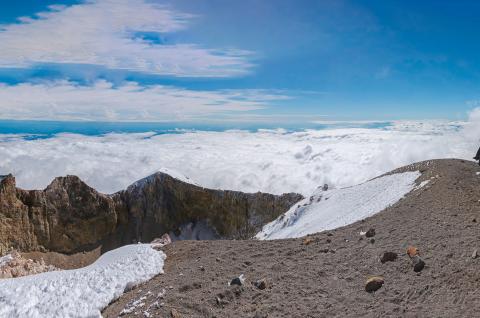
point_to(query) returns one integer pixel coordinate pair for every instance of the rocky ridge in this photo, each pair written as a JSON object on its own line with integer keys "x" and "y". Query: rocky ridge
{"x": 69, "y": 216}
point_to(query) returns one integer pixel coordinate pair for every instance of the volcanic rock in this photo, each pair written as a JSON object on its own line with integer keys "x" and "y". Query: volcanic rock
{"x": 237, "y": 281}
{"x": 374, "y": 283}
{"x": 388, "y": 257}
{"x": 158, "y": 243}
{"x": 412, "y": 251}
{"x": 370, "y": 233}
{"x": 418, "y": 264}
{"x": 69, "y": 216}
{"x": 307, "y": 241}
{"x": 15, "y": 265}
{"x": 260, "y": 284}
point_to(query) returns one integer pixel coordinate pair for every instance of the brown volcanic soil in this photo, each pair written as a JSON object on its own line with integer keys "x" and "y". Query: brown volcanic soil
{"x": 327, "y": 277}
{"x": 63, "y": 261}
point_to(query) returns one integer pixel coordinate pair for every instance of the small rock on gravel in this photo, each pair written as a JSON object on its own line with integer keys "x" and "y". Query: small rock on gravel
{"x": 370, "y": 233}
{"x": 388, "y": 257}
{"x": 412, "y": 251}
{"x": 418, "y": 264}
{"x": 158, "y": 243}
{"x": 260, "y": 284}
{"x": 475, "y": 254}
{"x": 238, "y": 281}
{"x": 307, "y": 241}
{"x": 374, "y": 283}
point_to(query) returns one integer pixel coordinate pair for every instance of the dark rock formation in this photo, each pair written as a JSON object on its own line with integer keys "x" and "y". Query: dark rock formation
{"x": 69, "y": 216}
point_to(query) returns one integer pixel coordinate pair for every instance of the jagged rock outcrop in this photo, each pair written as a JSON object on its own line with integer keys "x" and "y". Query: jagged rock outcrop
{"x": 64, "y": 217}
{"x": 69, "y": 216}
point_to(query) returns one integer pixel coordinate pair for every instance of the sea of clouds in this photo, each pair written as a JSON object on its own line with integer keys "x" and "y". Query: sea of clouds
{"x": 273, "y": 161}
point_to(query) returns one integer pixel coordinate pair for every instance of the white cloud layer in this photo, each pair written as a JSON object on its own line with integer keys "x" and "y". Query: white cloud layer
{"x": 271, "y": 161}
{"x": 102, "y": 32}
{"x": 62, "y": 100}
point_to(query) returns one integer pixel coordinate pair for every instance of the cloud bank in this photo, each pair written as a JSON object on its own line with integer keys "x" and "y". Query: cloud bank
{"x": 472, "y": 128}
{"x": 107, "y": 33}
{"x": 102, "y": 101}
{"x": 271, "y": 161}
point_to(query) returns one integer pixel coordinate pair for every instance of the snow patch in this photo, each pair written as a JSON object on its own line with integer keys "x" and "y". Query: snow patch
{"x": 172, "y": 173}
{"x": 134, "y": 305}
{"x": 82, "y": 292}
{"x": 326, "y": 210}
{"x": 421, "y": 185}
{"x": 177, "y": 175}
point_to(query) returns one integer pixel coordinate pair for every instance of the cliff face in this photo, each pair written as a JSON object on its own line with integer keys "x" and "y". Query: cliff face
{"x": 65, "y": 216}
{"x": 160, "y": 203}
{"x": 69, "y": 216}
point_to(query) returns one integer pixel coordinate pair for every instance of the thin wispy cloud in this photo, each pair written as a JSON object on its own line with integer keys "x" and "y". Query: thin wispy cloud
{"x": 102, "y": 101}
{"x": 105, "y": 33}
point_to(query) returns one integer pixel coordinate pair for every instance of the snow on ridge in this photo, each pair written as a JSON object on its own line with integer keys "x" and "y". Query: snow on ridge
{"x": 326, "y": 210}
{"x": 172, "y": 173}
{"x": 177, "y": 175}
{"x": 82, "y": 292}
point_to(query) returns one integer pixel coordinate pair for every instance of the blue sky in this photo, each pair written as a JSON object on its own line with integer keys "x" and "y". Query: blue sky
{"x": 238, "y": 61}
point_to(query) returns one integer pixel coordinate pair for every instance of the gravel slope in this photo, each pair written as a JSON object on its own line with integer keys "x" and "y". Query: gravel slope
{"x": 326, "y": 278}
